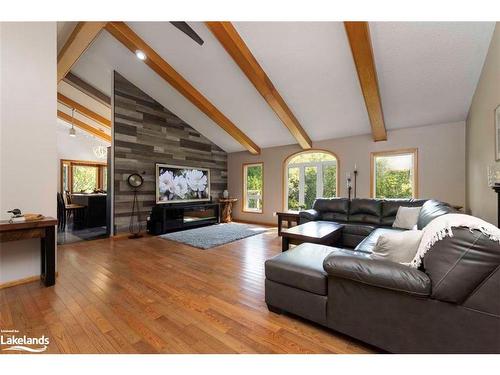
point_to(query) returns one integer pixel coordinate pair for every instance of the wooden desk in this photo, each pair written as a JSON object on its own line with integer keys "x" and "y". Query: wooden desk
{"x": 289, "y": 217}
{"x": 44, "y": 229}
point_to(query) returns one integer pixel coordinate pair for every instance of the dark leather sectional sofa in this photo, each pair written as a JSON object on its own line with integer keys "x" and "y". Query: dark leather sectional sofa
{"x": 451, "y": 304}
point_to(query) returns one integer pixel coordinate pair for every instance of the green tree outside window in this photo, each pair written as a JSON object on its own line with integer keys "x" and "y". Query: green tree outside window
{"x": 254, "y": 187}
{"x": 84, "y": 178}
{"x": 310, "y": 174}
{"x": 393, "y": 177}
{"x": 293, "y": 188}
{"x": 329, "y": 181}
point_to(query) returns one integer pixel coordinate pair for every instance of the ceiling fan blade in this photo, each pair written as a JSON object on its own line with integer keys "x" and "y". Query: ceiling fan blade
{"x": 186, "y": 29}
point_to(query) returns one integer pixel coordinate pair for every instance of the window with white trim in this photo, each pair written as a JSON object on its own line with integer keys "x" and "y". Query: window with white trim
{"x": 394, "y": 174}
{"x": 309, "y": 175}
{"x": 253, "y": 187}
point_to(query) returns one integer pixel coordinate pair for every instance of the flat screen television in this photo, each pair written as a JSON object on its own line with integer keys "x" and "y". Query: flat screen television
{"x": 178, "y": 184}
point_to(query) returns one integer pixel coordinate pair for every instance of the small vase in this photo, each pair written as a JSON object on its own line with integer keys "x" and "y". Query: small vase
{"x": 225, "y": 194}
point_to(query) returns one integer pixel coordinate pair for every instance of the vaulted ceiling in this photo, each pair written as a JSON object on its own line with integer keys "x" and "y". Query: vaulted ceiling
{"x": 427, "y": 74}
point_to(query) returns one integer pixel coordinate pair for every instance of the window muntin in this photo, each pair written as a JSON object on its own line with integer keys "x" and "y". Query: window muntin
{"x": 309, "y": 175}
{"x": 394, "y": 174}
{"x": 253, "y": 187}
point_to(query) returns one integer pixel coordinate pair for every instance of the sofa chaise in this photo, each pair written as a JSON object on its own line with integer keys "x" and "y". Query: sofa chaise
{"x": 451, "y": 304}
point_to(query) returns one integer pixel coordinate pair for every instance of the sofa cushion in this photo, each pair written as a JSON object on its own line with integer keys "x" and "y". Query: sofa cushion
{"x": 368, "y": 244}
{"x": 300, "y": 267}
{"x": 378, "y": 273}
{"x": 365, "y": 211}
{"x": 399, "y": 247}
{"x": 354, "y": 233}
{"x": 460, "y": 265}
{"x": 406, "y": 217}
{"x": 308, "y": 215}
{"x": 333, "y": 209}
{"x": 359, "y": 229}
{"x": 431, "y": 210}
{"x": 390, "y": 208}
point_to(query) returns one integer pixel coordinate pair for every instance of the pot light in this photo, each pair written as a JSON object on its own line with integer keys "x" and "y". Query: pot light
{"x": 140, "y": 55}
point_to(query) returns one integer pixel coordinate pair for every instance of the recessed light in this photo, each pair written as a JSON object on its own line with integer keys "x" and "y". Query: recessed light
{"x": 140, "y": 55}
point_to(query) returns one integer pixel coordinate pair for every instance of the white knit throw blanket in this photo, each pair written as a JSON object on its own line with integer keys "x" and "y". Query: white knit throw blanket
{"x": 440, "y": 228}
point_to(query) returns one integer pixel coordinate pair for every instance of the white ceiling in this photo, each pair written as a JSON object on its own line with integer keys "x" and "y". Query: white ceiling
{"x": 427, "y": 74}
{"x": 106, "y": 54}
{"x": 311, "y": 66}
{"x": 428, "y": 71}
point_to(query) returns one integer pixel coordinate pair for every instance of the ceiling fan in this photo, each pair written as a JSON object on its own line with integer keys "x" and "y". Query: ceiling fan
{"x": 186, "y": 29}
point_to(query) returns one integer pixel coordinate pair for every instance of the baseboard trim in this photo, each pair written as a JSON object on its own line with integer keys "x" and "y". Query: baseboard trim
{"x": 25, "y": 280}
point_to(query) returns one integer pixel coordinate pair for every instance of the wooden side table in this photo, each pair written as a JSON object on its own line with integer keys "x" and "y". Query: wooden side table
{"x": 44, "y": 229}
{"x": 288, "y": 216}
{"x": 227, "y": 209}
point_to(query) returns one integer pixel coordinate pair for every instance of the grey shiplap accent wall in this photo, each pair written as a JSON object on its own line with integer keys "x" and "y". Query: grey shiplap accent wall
{"x": 146, "y": 133}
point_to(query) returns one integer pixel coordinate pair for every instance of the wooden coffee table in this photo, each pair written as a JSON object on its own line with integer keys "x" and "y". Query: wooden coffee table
{"x": 320, "y": 232}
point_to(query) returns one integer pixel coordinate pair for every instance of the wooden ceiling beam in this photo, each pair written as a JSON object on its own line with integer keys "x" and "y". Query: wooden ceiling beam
{"x": 243, "y": 57}
{"x": 133, "y": 42}
{"x": 83, "y": 110}
{"x": 83, "y": 126}
{"x": 358, "y": 34}
{"x": 79, "y": 84}
{"x": 79, "y": 40}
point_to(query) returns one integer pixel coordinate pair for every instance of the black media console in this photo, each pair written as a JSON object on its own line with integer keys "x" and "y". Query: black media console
{"x": 166, "y": 218}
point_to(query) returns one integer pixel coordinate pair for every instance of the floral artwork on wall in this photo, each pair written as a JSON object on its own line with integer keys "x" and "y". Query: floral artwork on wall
{"x": 181, "y": 184}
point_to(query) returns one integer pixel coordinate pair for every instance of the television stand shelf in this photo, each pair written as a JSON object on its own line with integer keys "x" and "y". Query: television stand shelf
{"x": 166, "y": 218}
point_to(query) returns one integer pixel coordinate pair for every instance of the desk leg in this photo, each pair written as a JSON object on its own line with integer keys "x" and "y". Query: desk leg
{"x": 48, "y": 255}
{"x": 285, "y": 243}
{"x": 280, "y": 226}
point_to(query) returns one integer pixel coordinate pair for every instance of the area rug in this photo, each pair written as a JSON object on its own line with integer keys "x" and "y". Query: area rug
{"x": 214, "y": 235}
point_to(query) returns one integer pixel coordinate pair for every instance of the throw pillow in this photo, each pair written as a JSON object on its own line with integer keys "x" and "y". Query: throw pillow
{"x": 407, "y": 217}
{"x": 399, "y": 247}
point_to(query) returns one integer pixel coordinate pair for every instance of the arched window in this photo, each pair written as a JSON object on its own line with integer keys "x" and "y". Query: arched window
{"x": 309, "y": 175}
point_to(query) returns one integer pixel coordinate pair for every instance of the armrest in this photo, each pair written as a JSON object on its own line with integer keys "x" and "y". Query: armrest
{"x": 378, "y": 273}
{"x": 308, "y": 215}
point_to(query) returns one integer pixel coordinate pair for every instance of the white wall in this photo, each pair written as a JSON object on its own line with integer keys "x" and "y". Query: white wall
{"x": 28, "y": 137}
{"x": 481, "y": 199}
{"x": 441, "y": 162}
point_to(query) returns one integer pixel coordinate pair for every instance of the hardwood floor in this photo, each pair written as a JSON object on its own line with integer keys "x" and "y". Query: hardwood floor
{"x": 156, "y": 296}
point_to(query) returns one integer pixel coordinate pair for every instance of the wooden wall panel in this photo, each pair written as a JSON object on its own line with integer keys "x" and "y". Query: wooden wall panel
{"x": 146, "y": 133}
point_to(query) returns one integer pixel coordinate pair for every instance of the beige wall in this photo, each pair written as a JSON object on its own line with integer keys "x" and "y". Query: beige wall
{"x": 441, "y": 154}
{"x": 28, "y": 102}
{"x": 480, "y": 131}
